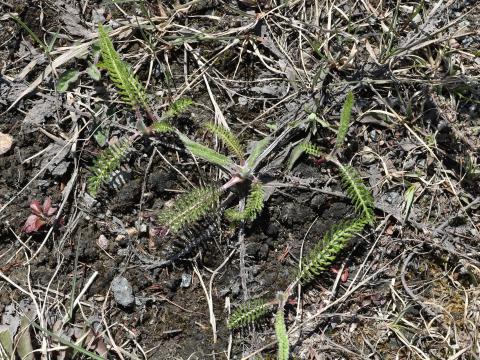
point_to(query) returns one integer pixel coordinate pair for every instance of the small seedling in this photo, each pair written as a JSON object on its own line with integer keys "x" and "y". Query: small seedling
{"x": 194, "y": 205}
{"x": 41, "y": 215}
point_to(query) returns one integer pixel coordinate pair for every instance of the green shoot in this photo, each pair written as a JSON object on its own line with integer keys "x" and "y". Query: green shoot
{"x": 130, "y": 88}
{"x": 177, "y": 108}
{"x": 61, "y": 339}
{"x": 311, "y": 149}
{"x": 34, "y": 36}
{"x": 247, "y": 313}
{"x": 230, "y": 140}
{"x": 325, "y": 252}
{"x": 253, "y": 206}
{"x": 345, "y": 119}
{"x": 105, "y": 164}
{"x": 205, "y": 152}
{"x": 361, "y": 197}
{"x": 409, "y": 197}
{"x": 281, "y": 334}
{"x": 162, "y": 127}
{"x": 189, "y": 208}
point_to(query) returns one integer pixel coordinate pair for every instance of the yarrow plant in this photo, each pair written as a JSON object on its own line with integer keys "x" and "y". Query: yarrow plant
{"x": 239, "y": 167}
{"x": 324, "y": 253}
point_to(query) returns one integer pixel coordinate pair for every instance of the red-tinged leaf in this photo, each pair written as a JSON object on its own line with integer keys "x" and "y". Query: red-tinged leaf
{"x": 51, "y": 211}
{"x": 292, "y": 301}
{"x": 320, "y": 161}
{"x": 48, "y": 210}
{"x": 33, "y": 224}
{"x": 36, "y": 207}
{"x": 47, "y": 204}
{"x": 345, "y": 273}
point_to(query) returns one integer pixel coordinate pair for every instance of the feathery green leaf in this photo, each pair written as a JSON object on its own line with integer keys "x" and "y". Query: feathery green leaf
{"x": 178, "y": 108}
{"x": 281, "y": 334}
{"x": 189, "y": 208}
{"x": 205, "y": 152}
{"x": 230, "y": 140}
{"x": 129, "y": 87}
{"x": 162, "y": 127}
{"x": 311, "y": 149}
{"x": 345, "y": 119}
{"x": 247, "y": 313}
{"x": 325, "y": 251}
{"x": 253, "y": 206}
{"x": 361, "y": 197}
{"x": 105, "y": 164}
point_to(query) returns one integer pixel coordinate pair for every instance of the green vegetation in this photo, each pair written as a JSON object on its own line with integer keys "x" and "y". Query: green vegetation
{"x": 345, "y": 119}
{"x": 189, "y": 208}
{"x": 281, "y": 334}
{"x": 334, "y": 241}
{"x": 129, "y": 87}
{"x": 253, "y": 206}
{"x": 325, "y": 251}
{"x": 361, "y": 197}
{"x": 195, "y": 204}
{"x": 230, "y": 140}
{"x": 105, "y": 164}
{"x": 248, "y": 313}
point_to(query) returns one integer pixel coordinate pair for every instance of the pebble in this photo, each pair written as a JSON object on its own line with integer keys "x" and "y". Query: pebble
{"x": 6, "y": 142}
{"x": 186, "y": 280}
{"x": 122, "y": 291}
{"x": 102, "y": 241}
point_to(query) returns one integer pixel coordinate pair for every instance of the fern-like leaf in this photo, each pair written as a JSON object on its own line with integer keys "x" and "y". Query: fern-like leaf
{"x": 345, "y": 119}
{"x": 205, "y": 152}
{"x": 189, "y": 208}
{"x": 253, "y": 206}
{"x": 311, "y": 149}
{"x": 178, "y": 108}
{"x": 230, "y": 140}
{"x": 105, "y": 164}
{"x": 281, "y": 334}
{"x": 361, "y": 197}
{"x": 129, "y": 87}
{"x": 162, "y": 127}
{"x": 247, "y": 313}
{"x": 325, "y": 252}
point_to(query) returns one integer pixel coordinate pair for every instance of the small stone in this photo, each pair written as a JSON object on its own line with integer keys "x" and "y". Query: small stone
{"x": 6, "y": 142}
{"x": 186, "y": 280}
{"x": 60, "y": 169}
{"x": 122, "y": 291}
{"x": 132, "y": 231}
{"x": 102, "y": 241}
{"x": 88, "y": 201}
{"x": 368, "y": 156}
{"x": 141, "y": 227}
